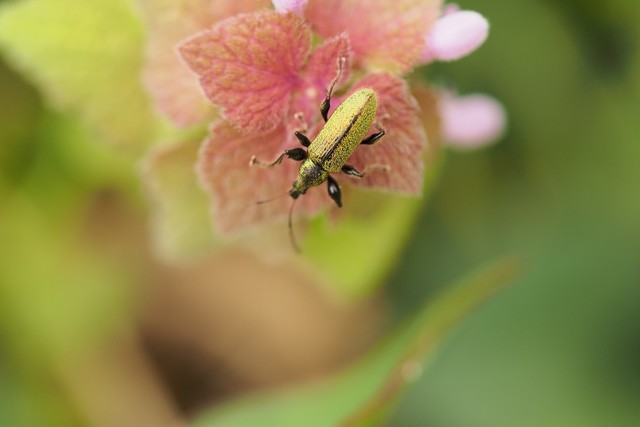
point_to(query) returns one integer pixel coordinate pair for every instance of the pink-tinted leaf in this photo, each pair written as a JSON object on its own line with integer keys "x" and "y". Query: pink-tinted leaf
{"x": 249, "y": 64}
{"x": 318, "y": 74}
{"x": 402, "y": 147}
{"x": 174, "y": 88}
{"x": 235, "y": 186}
{"x": 385, "y": 35}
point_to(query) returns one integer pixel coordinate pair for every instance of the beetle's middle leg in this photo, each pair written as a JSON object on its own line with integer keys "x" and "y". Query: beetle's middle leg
{"x": 297, "y": 154}
{"x": 372, "y": 139}
{"x": 326, "y": 104}
{"x": 350, "y": 170}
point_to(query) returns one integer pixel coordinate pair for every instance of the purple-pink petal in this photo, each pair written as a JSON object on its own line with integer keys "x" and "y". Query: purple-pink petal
{"x": 471, "y": 121}
{"x": 454, "y": 36}
{"x": 294, "y": 6}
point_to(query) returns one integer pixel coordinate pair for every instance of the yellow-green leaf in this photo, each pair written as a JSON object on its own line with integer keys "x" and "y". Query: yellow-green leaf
{"x": 85, "y": 56}
{"x": 181, "y": 219}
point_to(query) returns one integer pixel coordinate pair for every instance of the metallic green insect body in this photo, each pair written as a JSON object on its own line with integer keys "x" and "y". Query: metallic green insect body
{"x": 338, "y": 139}
{"x": 330, "y": 150}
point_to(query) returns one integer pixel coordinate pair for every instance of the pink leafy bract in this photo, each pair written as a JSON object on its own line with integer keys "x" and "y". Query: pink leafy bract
{"x": 318, "y": 73}
{"x": 173, "y": 87}
{"x": 385, "y": 35}
{"x": 235, "y": 186}
{"x": 249, "y": 64}
{"x": 401, "y": 148}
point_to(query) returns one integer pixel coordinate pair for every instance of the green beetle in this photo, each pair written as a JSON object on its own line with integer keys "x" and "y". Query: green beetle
{"x": 330, "y": 150}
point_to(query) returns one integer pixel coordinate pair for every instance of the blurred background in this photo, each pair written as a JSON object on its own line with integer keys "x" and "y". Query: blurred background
{"x": 95, "y": 329}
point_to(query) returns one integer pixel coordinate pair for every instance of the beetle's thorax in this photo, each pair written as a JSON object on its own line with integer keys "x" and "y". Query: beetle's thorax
{"x": 310, "y": 175}
{"x": 346, "y": 128}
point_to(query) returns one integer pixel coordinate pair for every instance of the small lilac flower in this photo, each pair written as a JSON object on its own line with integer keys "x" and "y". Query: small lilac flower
{"x": 295, "y": 6}
{"x": 454, "y": 36}
{"x": 450, "y": 8}
{"x": 471, "y": 121}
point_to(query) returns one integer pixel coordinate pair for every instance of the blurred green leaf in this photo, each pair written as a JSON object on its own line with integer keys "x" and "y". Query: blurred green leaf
{"x": 370, "y": 235}
{"x": 364, "y": 394}
{"x": 181, "y": 217}
{"x": 86, "y": 57}
{"x": 59, "y": 297}
{"x": 57, "y": 291}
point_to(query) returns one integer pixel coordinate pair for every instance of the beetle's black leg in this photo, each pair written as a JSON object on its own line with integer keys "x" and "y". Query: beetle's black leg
{"x": 326, "y": 104}
{"x": 303, "y": 139}
{"x": 350, "y": 170}
{"x": 334, "y": 191}
{"x": 297, "y": 154}
{"x": 372, "y": 139}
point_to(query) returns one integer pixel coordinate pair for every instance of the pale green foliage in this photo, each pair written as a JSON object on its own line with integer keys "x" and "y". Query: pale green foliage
{"x": 85, "y": 56}
{"x": 182, "y": 223}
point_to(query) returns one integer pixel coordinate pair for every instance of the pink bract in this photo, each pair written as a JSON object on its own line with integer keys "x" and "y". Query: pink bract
{"x": 258, "y": 68}
{"x": 385, "y": 35}
{"x": 172, "y": 85}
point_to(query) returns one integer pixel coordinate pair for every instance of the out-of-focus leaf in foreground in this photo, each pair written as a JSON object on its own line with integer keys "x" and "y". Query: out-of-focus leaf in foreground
{"x": 86, "y": 57}
{"x": 181, "y": 222}
{"x": 365, "y": 393}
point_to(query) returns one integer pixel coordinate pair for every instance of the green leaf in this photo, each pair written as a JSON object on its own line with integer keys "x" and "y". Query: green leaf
{"x": 181, "y": 219}
{"x": 85, "y": 57}
{"x": 365, "y": 393}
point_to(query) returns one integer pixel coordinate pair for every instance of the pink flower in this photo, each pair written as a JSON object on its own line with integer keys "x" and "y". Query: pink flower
{"x": 295, "y": 6}
{"x": 259, "y": 69}
{"x": 255, "y": 69}
{"x": 171, "y": 84}
{"x": 455, "y": 35}
{"x": 471, "y": 121}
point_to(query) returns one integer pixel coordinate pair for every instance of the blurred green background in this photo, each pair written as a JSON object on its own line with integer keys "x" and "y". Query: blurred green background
{"x": 560, "y": 348}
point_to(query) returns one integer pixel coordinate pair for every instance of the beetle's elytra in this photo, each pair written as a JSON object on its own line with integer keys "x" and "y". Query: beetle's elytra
{"x": 330, "y": 150}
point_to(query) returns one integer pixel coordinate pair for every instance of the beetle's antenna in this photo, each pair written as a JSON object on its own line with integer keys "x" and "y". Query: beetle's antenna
{"x": 291, "y": 235}
{"x": 338, "y": 76}
{"x": 262, "y": 202}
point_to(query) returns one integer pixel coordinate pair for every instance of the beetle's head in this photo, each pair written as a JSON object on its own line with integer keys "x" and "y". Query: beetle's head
{"x": 310, "y": 175}
{"x": 298, "y": 188}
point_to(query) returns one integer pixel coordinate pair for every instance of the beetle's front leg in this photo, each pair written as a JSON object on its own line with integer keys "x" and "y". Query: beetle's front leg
{"x": 303, "y": 139}
{"x": 326, "y": 104}
{"x": 297, "y": 154}
{"x": 334, "y": 190}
